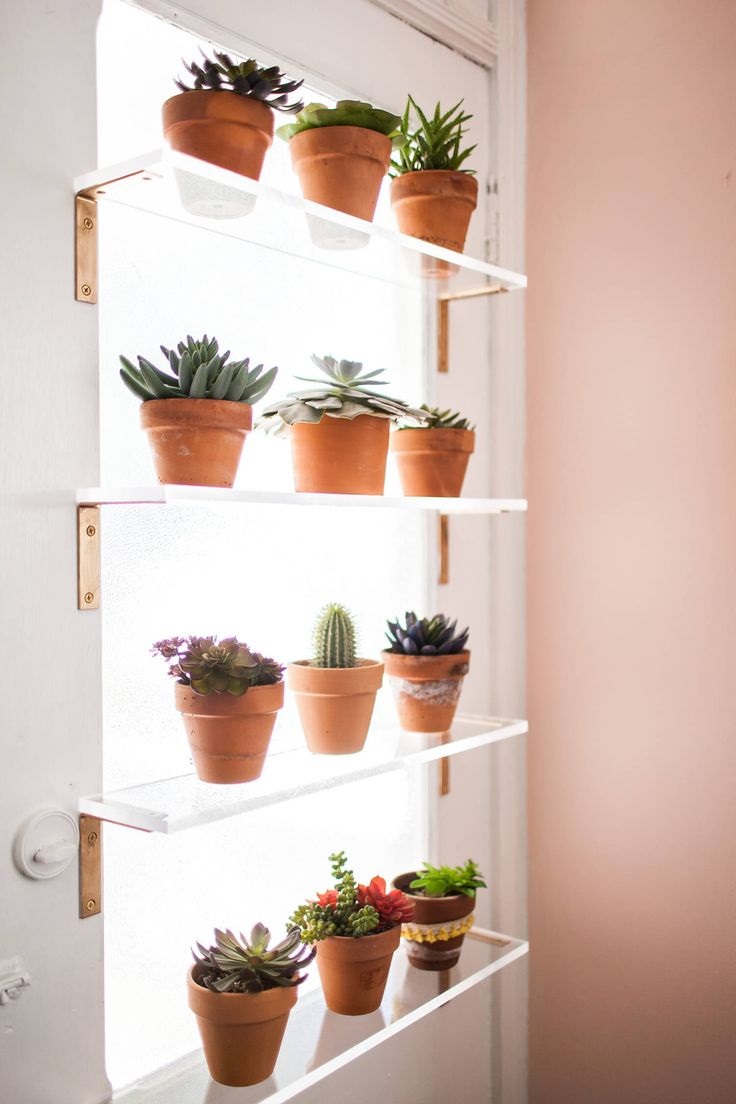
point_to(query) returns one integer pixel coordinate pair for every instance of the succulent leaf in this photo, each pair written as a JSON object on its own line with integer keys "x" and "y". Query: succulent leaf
{"x": 428, "y": 636}
{"x": 199, "y": 372}
{"x": 236, "y": 965}
{"x": 435, "y": 143}
{"x": 243, "y": 78}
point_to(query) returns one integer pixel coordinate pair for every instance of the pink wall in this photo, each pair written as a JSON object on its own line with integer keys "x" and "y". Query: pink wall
{"x": 632, "y": 550}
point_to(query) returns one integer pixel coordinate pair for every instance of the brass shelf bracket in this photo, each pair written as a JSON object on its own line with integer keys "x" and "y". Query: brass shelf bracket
{"x": 443, "y": 571}
{"x": 85, "y": 237}
{"x": 90, "y": 866}
{"x": 88, "y": 557}
{"x": 443, "y": 318}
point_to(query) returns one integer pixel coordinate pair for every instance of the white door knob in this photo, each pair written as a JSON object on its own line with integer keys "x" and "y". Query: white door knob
{"x": 46, "y": 843}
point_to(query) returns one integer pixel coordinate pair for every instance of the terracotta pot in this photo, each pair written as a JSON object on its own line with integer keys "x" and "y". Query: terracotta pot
{"x": 341, "y": 167}
{"x": 435, "y": 205}
{"x": 335, "y": 703}
{"x": 196, "y": 441}
{"x": 229, "y": 736}
{"x": 432, "y": 462}
{"x": 340, "y": 455}
{"x": 426, "y": 688}
{"x": 354, "y": 971}
{"x": 241, "y": 1032}
{"x": 430, "y": 942}
{"x": 223, "y": 128}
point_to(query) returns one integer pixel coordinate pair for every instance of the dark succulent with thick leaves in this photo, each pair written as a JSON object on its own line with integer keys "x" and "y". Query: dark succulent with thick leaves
{"x": 444, "y": 881}
{"x": 442, "y": 419}
{"x": 212, "y": 667}
{"x": 197, "y": 370}
{"x": 346, "y": 397}
{"x": 428, "y": 636}
{"x": 436, "y": 143}
{"x": 240, "y": 965}
{"x": 245, "y": 78}
{"x": 345, "y": 113}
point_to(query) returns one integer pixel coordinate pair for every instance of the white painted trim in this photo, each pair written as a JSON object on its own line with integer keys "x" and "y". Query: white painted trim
{"x": 474, "y": 38}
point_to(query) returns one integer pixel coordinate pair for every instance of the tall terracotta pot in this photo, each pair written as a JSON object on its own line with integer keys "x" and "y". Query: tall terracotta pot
{"x": 196, "y": 442}
{"x": 434, "y": 938}
{"x": 241, "y": 1032}
{"x": 340, "y": 455}
{"x": 335, "y": 704}
{"x": 229, "y": 736}
{"x": 432, "y": 462}
{"x": 341, "y": 167}
{"x": 426, "y": 688}
{"x": 435, "y": 205}
{"x": 354, "y": 971}
{"x": 224, "y": 128}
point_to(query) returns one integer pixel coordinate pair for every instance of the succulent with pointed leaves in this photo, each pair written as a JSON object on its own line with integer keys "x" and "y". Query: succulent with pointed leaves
{"x": 245, "y": 78}
{"x": 353, "y": 113}
{"x": 436, "y": 143}
{"x": 442, "y": 419}
{"x": 443, "y": 881}
{"x": 240, "y": 965}
{"x": 428, "y": 636}
{"x": 197, "y": 371}
{"x": 334, "y": 638}
{"x": 209, "y": 667}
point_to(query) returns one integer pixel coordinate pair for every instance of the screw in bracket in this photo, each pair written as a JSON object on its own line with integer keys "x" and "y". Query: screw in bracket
{"x": 91, "y": 904}
{"x": 89, "y": 597}
{"x": 86, "y": 289}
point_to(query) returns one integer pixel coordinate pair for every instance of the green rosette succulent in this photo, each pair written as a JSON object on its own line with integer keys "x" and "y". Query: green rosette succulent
{"x": 354, "y": 113}
{"x": 197, "y": 370}
{"x": 212, "y": 667}
{"x": 235, "y": 964}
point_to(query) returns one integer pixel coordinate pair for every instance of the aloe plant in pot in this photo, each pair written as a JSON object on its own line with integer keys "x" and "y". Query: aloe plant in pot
{"x": 241, "y": 991}
{"x": 336, "y": 690}
{"x": 339, "y": 431}
{"x": 426, "y": 662}
{"x": 228, "y": 696}
{"x": 432, "y": 459}
{"x": 197, "y": 439}
{"x": 443, "y": 899}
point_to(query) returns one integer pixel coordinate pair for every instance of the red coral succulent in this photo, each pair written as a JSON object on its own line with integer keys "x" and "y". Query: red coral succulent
{"x": 393, "y": 907}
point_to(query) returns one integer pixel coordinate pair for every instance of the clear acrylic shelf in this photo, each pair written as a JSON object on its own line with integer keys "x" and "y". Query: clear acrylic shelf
{"x": 175, "y": 186}
{"x": 173, "y": 804}
{"x": 318, "y": 1042}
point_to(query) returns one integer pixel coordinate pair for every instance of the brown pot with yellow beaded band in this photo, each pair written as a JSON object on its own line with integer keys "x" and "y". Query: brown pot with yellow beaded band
{"x": 435, "y": 937}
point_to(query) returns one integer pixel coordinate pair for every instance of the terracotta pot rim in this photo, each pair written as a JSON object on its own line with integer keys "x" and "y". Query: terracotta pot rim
{"x": 223, "y": 413}
{"x": 398, "y": 656}
{"x": 233, "y": 102}
{"x": 435, "y": 176}
{"x": 340, "y": 129}
{"x": 360, "y": 662}
{"x": 281, "y": 999}
{"x": 256, "y": 700}
{"x": 432, "y": 440}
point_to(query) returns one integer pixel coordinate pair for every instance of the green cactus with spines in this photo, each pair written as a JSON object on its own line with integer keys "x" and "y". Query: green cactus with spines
{"x": 334, "y": 637}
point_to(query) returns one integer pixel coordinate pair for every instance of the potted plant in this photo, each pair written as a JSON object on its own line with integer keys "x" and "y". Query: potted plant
{"x": 356, "y": 929}
{"x": 341, "y": 154}
{"x": 226, "y": 116}
{"x": 228, "y": 696}
{"x": 335, "y": 691}
{"x": 443, "y": 899}
{"x": 432, "y": 195}
{"x": 432, "y": 459}
{"x": 338, "y": 432}
{"x": 199, "y": 438}
{"x": 426, "y": 662}
{"x": 241, "y": 994}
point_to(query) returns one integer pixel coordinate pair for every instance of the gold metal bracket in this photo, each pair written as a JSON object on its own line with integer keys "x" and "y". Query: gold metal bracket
{"x": 90, "y": 866}
{"x": 88, "y": 557}
{"x": 85, "y": 237}
{"x": 444, "y": 785}
{"x": 443, "y": 318}
{"x": 443, "y": 571}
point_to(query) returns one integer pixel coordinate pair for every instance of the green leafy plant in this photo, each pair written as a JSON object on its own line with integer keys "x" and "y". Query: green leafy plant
{"x": 197, "y": 371}
{"x": 436, "y": 143}
{"x": 442, "y": 419}
{"x": 351, "y": 909}
{"x": 354, "y": 113}
{"x": 428, "y": 636}
{"x": 245, "y": 78}
{"x": 209, "y": 667}
{"x": 346, "y": 396}
{"x": 334, "y": 637}
{"x": 444, "y": 881}
{"x": 240, "y": 965}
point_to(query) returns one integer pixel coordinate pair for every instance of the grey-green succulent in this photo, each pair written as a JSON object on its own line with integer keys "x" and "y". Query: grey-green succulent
{"x": 442, "y": 419}
{"x": 436, "y": 143}
{"x": 346, "y": 396}
{"x": 197, "y": 370}
{"x": 240, "y": 965}
{"x": 245, "y": 78}
{"x": 354, "y": 113}
{"x": 334, "y": 637}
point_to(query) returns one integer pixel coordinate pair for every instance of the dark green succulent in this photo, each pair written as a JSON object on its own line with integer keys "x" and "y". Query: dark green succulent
{"x": 345, "y": 113}
{"x": 436, "y": 143}
{"x": 245, "y": 78}
{"x": 197, "y": 371}
{"x": 428, "y": 636}
{"x": 444, "y": 881}
{"x": 212, "y": 667}
{"x": 442, "y": 419}
{"x": 334, "y": 638}
{"x": 240, "y": 965}
{"x": 347, "y": 396}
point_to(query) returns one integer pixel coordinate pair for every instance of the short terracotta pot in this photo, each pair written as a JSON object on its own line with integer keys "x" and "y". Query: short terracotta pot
{"x": 229, "y": 736}
{"x": 354, "y": 971}
{"x": 426, "y": 688}
{"x": 435, "y": 205}
{"x": 341, "y": 167}
{"x": 335, "y": 703}
{"x": 430, "y": 943}
{"x": 197, "y": 442}
{"x": 340, "y": 455}
{"x": 223, "y": 128}
{"x": 241, "y": 1032}
{"x": 432, "y": 462}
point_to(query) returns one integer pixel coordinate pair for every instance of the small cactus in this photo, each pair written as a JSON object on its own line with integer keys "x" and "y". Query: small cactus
{"x": 334, "y": 637}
